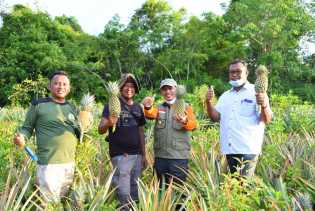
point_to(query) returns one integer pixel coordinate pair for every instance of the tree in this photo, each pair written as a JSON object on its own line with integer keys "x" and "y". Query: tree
{"x": 272, "y": 31}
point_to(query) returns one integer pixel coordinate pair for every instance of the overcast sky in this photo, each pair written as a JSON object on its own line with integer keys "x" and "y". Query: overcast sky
{"x": 94, "y": 14}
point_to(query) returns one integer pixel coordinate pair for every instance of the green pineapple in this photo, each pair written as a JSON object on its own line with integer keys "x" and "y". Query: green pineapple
{"x": 261, "y": 83}
{"x": 87, "y": 102}
{"x": 179, "y": 105}
{"x": 86, "y": 117}
{"x": 113, "y": 103}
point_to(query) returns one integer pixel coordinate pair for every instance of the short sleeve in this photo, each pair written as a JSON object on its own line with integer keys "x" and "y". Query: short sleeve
{"x": 141, "y": 119}
{"x": 105, "y": 111}
{"x": 219, "y": 106}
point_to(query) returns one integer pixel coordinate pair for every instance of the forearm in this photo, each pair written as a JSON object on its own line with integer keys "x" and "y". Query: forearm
{"x": 212, "y": 113}
{"x": 266, "y": 114}
{"x": 103, "y": 126}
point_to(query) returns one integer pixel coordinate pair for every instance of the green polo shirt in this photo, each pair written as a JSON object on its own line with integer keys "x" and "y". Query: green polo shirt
{"x": 55, "y": 126}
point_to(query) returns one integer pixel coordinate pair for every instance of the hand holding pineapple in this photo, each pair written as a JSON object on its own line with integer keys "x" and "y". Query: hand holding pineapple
{"x": 181, "y": 118}
{"x": 262, "y": 99}
{"x": 111, "y": 121}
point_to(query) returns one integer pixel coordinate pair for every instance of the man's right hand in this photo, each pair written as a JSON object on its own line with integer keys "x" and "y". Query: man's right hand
{"x": 210, "y": 94}
{"x": 111, "y": 121}
{"x": 148, "y": 102}
{"x": 19, "y": 140}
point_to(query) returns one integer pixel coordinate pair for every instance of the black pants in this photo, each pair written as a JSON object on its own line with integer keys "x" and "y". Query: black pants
{"x": 171, "y": 168}
{"x": 245, "y": 163}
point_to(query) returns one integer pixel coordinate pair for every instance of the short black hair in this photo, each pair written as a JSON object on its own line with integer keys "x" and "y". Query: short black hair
{"x": 60, "y": 72}
{"x": 236, "y": 61}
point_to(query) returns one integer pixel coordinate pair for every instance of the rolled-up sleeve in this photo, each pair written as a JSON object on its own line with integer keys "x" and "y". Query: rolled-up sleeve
{"x": 29, "y": 123}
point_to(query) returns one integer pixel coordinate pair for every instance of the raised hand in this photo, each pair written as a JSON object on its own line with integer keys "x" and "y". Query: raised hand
{"x": 148, "y": 102}
{"x": 210, "y": 94}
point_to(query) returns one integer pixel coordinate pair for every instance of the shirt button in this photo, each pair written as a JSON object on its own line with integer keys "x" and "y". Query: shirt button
{"x": 229, "y": 144}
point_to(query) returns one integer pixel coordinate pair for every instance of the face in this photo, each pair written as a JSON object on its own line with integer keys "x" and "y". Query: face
{"x": 128, "y": 90}
{"x": 238, "y": 71}
{"x": 59, "y": 87}
{"x": 168, "y": 92}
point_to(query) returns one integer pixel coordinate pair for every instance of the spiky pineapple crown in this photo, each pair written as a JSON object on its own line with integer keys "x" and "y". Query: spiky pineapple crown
{"x": 113, "y": 88}
{"x": 262, "y": 70}
{"x": 180, "y": 91}
{"x": 87, "y": 102}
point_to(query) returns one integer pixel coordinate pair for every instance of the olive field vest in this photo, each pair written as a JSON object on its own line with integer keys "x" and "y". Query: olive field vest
{"x": 171, "y": 140}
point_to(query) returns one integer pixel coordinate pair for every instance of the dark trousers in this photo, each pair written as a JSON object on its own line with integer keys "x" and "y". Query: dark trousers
{"x": 244, "y": 163}
{"x": 168, "y": 169}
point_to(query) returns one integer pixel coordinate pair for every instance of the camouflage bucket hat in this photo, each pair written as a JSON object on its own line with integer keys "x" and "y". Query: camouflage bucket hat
{"x": 128, "y": 77}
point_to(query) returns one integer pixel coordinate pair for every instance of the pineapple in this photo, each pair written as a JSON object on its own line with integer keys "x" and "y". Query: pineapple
{"x": 114, "y": 103}
{"x": 85, "y": 116}
{"x": 261, "y": 84}
{"x": 179, "y": 105}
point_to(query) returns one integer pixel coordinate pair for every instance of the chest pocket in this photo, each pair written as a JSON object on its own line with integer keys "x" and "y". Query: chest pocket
{"x": 161, "y": 120}
{"x": 248, "y": 107}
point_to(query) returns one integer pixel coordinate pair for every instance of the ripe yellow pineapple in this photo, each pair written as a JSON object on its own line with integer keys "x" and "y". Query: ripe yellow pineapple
{"x": 179, "y": 105}
{"x": 86, "y": 117}
{"x": 261, "y": 84}
{"x": 113, "y": 102}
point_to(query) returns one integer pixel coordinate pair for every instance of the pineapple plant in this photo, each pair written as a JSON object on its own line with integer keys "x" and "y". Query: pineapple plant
{"x": 86, "y": 117}
{"x": 113, "y": 103}
{"x": 261, "y": 83}
{"x": 179, "y": 105}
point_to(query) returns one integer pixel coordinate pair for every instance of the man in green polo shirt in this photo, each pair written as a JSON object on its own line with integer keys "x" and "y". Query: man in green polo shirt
{"x": 56, "y": 129}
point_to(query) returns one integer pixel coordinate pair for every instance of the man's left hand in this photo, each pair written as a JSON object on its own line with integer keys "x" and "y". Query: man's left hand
{"x": 262, "y": 99}
{"x": 181, "y": 119}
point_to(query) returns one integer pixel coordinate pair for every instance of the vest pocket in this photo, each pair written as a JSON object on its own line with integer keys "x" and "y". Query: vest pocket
{"x": 176, "y": 125}
{"x": 181, "y": 144}
{"x": 161, "y": 121}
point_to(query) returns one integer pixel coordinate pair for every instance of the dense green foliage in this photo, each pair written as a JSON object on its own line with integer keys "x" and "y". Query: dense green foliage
{"x": 159, "y": 42}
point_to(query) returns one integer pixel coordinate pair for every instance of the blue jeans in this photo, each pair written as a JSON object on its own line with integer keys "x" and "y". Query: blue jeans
{"x": 171, "y": 168}
{"x": 244, "y": 163}
{"x": 127, "y": 173}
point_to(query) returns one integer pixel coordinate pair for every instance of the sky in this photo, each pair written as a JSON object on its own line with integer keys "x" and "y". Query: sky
{"x": 93, "y": 15}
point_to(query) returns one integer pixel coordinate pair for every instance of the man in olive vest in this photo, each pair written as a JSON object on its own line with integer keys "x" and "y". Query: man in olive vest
{"x": 171, "y": 134}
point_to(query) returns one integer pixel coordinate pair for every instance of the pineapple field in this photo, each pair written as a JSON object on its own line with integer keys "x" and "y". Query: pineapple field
{"x": 284, "y": 180}
{"x": 159, "y": 42}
